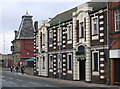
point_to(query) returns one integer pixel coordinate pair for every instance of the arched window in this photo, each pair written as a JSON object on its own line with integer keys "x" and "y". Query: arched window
{"x": 81, "y": 50}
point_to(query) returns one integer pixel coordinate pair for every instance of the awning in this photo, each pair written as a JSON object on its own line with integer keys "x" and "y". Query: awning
{"x": 30, "y": 59}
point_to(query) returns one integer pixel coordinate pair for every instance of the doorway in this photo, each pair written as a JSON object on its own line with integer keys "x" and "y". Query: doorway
{"x": 82, "y": 70}
{"x": 117, "y": 71}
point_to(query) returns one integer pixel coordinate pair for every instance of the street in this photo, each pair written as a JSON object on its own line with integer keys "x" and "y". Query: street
{"x": 19, "y": 81}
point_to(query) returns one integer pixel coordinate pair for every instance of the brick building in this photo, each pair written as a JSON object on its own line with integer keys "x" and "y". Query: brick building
{"x": 114, "y": 41}
{"x": 82, "y": 46}
{"x": 23, "y": 44}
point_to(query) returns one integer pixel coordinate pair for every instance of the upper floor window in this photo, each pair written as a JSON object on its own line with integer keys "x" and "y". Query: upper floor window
{"x": 81, "y": 32}
{"x": 59, "y": 36}
{"x": 50, "y": 36}
{"x": 95, "y": 26}
{"x": 43, "y": 40}
{"x": 117, "y": 20}
{"x": 69, "y": 32}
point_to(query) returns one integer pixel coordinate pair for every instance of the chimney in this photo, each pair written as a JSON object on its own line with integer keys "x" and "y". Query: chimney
{"x": 36, "y": 25}
{"x": 16, "y": 34}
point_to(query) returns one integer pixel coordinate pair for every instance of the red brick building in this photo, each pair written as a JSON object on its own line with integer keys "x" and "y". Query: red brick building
{"x": 114, "y": 34}
{"x": 23, "y": 44}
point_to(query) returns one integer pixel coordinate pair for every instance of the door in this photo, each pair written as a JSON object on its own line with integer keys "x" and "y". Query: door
{"x": 82, "y": 70}
{"x": 117, "y": 70}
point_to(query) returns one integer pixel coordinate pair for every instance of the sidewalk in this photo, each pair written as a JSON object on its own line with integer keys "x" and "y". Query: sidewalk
{"x": 75, "y": 83}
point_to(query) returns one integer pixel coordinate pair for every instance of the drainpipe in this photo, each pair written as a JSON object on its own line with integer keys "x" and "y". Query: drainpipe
{"x": 108, "y": 42}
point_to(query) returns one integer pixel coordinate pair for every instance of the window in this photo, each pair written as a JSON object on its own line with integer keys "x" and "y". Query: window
{"x": 50, "y": 62}
{"x": 37, "y": 62}
{"x": 59, "y": 62}
{"x": 69, "y": 62}
{"x": 70, "y": 32}
{"x": 50, "y": 34}
{"x": 81, "y": 30}
{"x": 95, "y": 26}
{"x": 43, "y": 63}
{"x": 50, "y": 37}
{"x": 95, "y": 62}
{"x": 43, "y": 40}
{"x": 117, "y": 20}
{"x": 37, "y": 41}
{"x": 59, "y": 35}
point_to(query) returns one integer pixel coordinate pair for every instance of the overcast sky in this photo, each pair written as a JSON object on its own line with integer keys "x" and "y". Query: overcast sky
{"x": 11, "y": 12}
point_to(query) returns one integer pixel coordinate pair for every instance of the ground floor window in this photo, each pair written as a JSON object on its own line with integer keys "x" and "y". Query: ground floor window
{"x": 43, "y": 63}
{"x": 51, "y": 62}
{"x": 95, "y": 62}
{"x": 69, "y": 62}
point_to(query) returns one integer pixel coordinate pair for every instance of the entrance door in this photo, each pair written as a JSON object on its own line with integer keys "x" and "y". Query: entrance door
{"x": 117, "y": 70}
{"x": 82, "y": 69}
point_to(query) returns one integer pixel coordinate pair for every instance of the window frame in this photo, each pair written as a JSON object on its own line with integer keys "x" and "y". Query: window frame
{"x": 70, "y": 54}
{"x": 50, "y": 36}
{"x": 69, "y": 34}
{"x": 50, "y": 62}
{"x": 43, "y": 39}
{"x": 93, "y": 30}
{"x": 81, "y": 32}
{"x": 118, "y": 20}
{"x": 43, "y": 62}
{"x": 93, "y": 71}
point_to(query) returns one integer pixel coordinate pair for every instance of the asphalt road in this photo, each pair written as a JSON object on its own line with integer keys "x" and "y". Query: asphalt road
{"x": 19, "y": 81}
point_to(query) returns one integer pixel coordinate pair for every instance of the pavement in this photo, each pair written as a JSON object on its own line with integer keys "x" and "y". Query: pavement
{"x": 68, "y": 82}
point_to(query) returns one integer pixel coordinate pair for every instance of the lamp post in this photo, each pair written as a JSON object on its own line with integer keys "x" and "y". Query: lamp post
{"x": 59, "y": 51}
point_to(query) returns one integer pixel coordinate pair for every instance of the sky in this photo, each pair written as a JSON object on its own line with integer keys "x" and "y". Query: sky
{"x": 11, "y": 12}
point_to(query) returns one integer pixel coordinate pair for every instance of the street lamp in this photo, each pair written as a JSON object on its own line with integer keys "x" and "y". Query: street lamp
{"x": 59, "y": 51}
{"x": 59, "y": 57}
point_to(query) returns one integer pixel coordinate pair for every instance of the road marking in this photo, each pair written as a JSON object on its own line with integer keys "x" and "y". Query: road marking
{"x": 3, "y": 80}
{"x": 24, "y": 86}
{"x": 34, "y": 83}
{"x": 49, "y": 85}
{"x": 9, "y": 77}
{"x": 12, "y": 83}
{"x": 19, "y": 80}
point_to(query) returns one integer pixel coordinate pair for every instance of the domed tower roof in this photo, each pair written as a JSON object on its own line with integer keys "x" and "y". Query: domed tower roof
{"x": 26, "y": 30}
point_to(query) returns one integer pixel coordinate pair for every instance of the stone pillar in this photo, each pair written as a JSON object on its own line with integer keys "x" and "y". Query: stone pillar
{"x": 75, "y": 63}
{"x": 88, "y": 52}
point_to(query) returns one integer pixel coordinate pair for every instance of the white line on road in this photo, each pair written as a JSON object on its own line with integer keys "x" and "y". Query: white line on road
{"x": 12, "y": 83}
{"x": 34, "y": 83}
{"x": 24, "y": 86}
{"x": 3, "y": 80}
{"x": 9, "y": 77}
{"x": 19, "y": 80}
{"x": 49, "y": 85}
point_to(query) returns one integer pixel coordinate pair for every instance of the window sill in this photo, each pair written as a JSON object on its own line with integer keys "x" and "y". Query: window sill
{"x": 69, "y": 41}
{"x": 70, "y": 71}
{"x": 95, "y": 35}
{"x": 81, "y": 37}
{"x": 95, "y": 73}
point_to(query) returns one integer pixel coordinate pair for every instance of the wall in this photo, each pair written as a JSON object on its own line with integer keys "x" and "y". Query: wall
{"x": 27, "y": 48}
